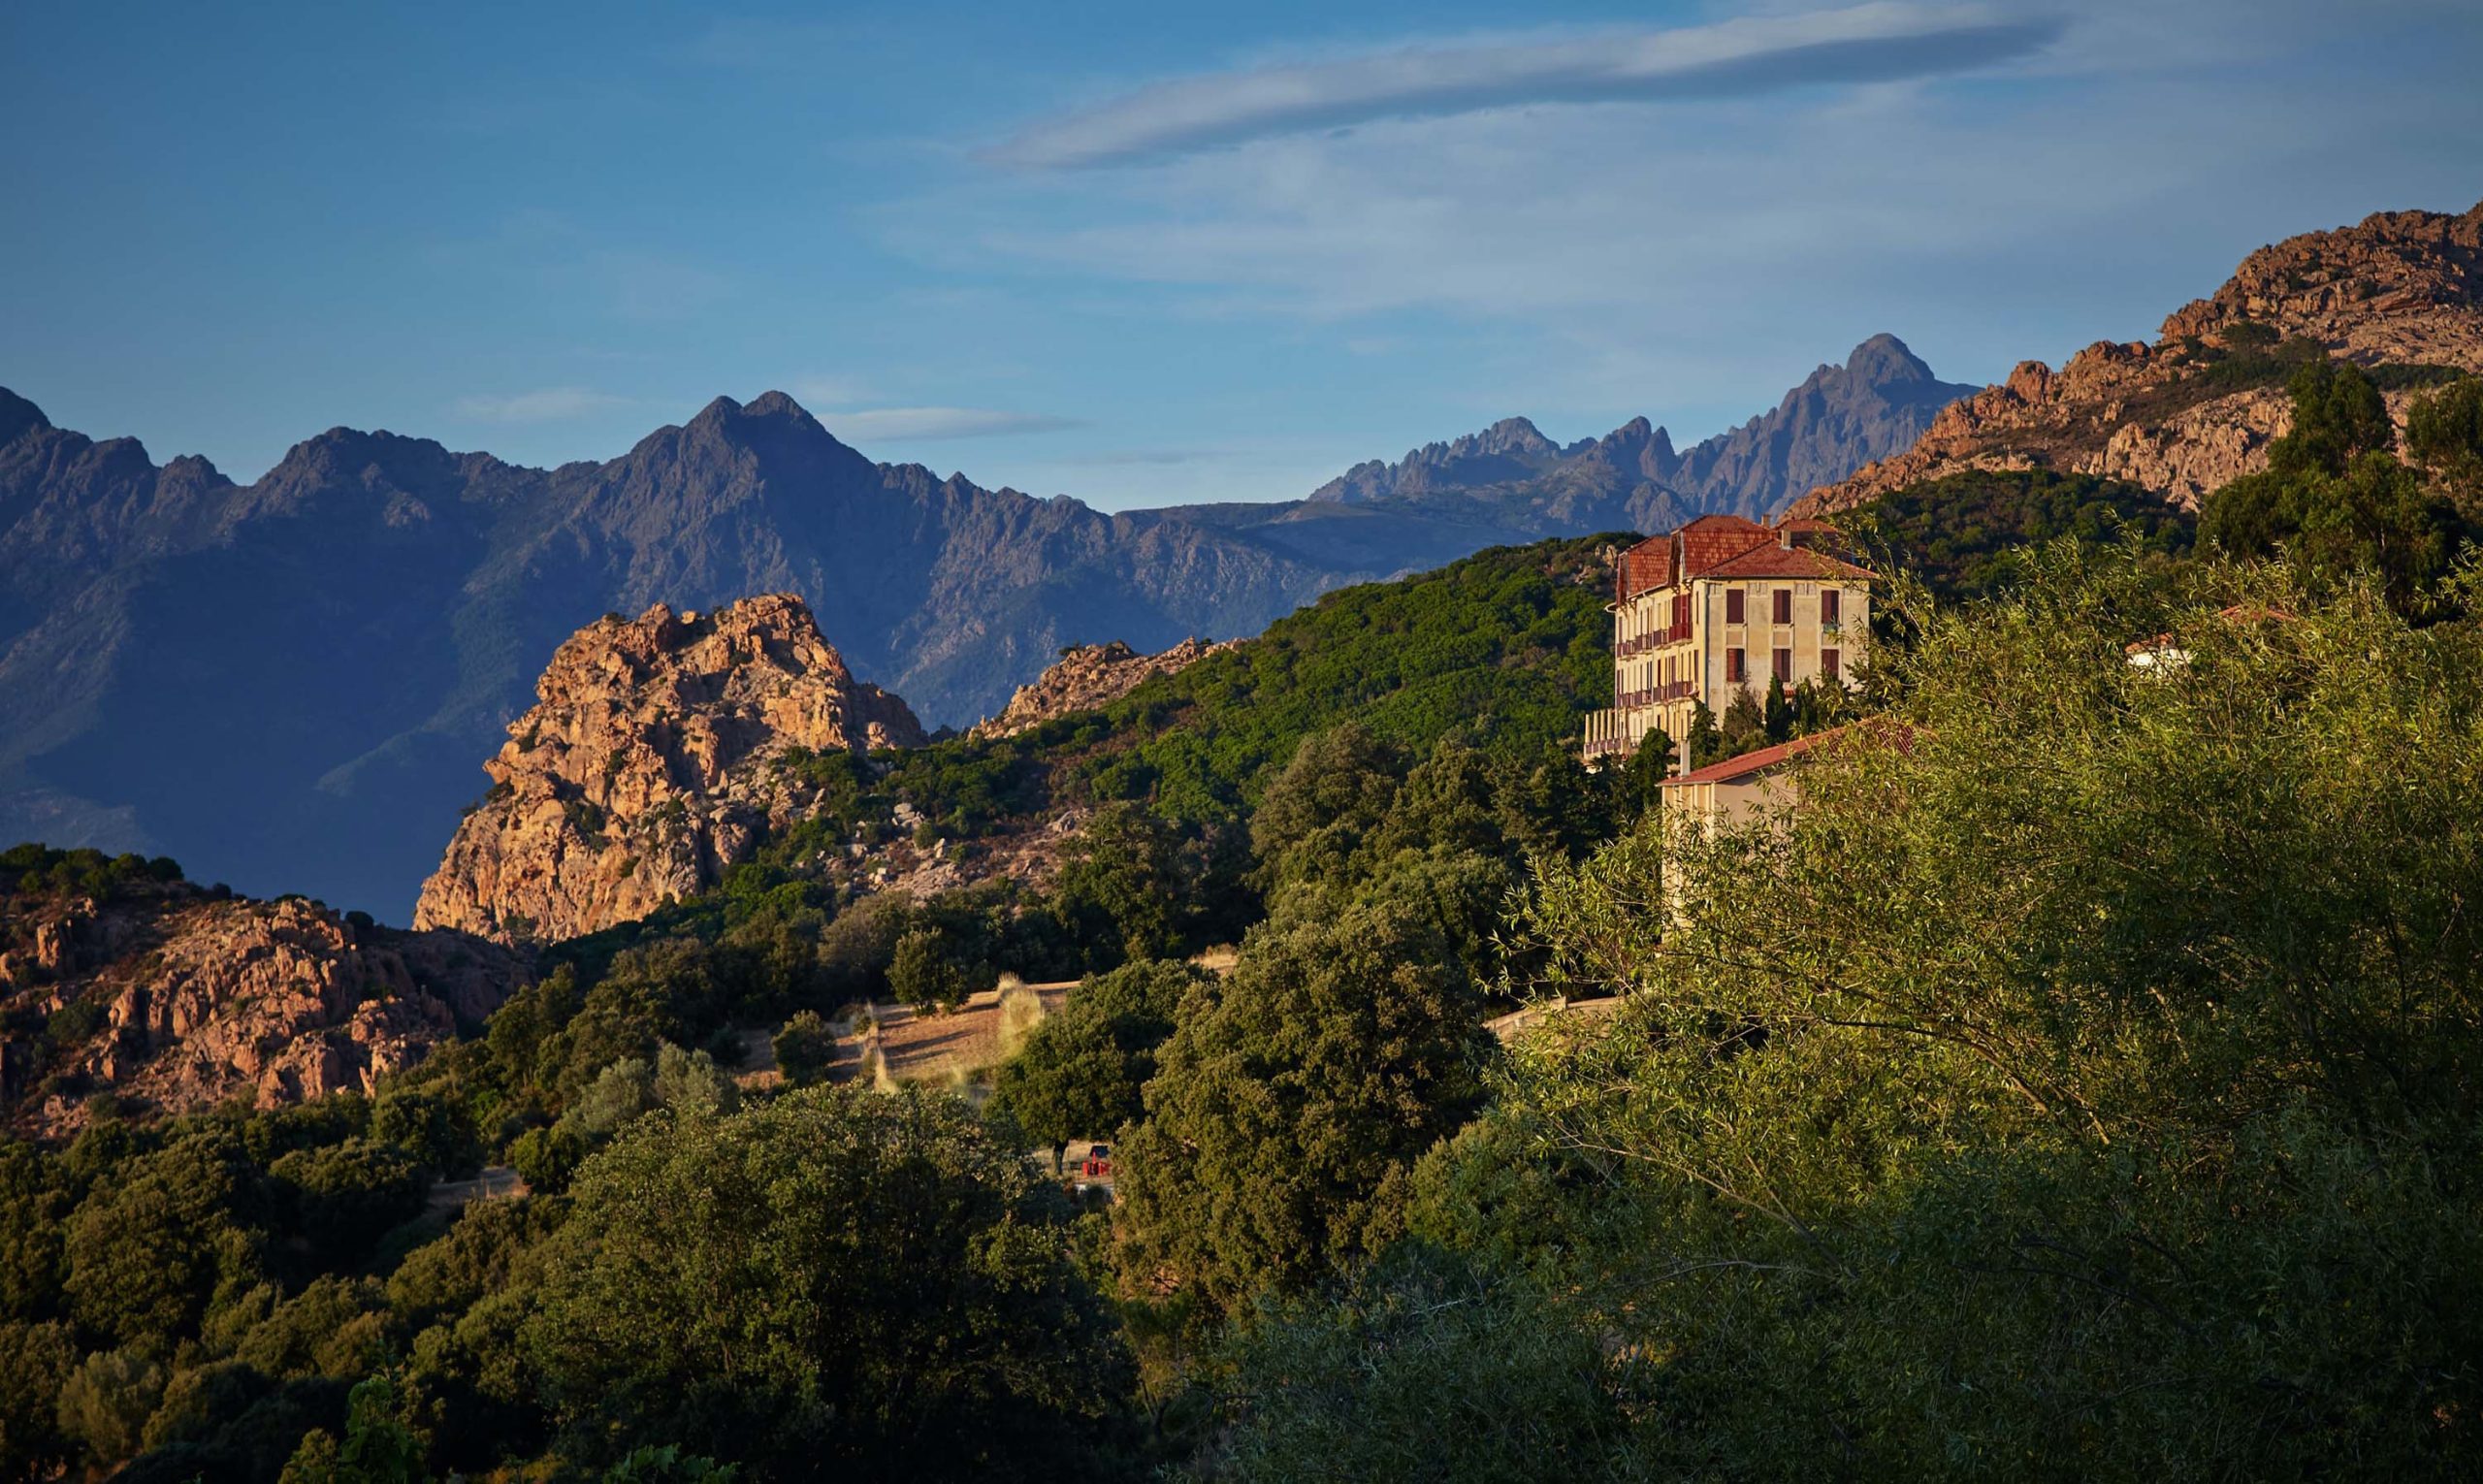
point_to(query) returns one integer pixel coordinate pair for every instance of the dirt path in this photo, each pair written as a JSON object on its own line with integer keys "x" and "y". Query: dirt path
{"x": 498, "y": 1183}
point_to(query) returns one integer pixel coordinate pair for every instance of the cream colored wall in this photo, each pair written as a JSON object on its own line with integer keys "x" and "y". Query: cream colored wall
{"x": 1716, "y": 805}
{"x": 1759, "y": 637}
{"x": 1702, "y": 654}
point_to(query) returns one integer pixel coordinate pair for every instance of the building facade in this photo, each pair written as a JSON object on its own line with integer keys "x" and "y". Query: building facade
{"x": 1718, "y": 605}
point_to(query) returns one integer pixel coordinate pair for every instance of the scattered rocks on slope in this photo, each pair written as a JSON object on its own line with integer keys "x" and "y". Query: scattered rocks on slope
{"x": 181, "y": 998}
{"x": 2402, "y": 287}
{"x": 1088, "y": 676}
{"x": 650, "y": 764}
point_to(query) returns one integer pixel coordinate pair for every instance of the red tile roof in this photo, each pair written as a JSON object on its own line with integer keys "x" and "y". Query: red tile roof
{"x": 1711, "y": 540}
{"x": 1643, "y": 566}
{"x": 1731, "y": 547}
{"x": 1773, "y": 561}
{"x": 1732, "y": 768}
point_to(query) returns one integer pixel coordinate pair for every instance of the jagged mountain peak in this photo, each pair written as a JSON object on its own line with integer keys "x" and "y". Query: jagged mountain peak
{"x": 775, "y": 403}
{"x": 1510, "y": 434}
{"x": 1839, "y": 418}
{"x": 375, "y": 460}
{"x": 1638, "y": 433}
{"x": 1884, "y": 360}
{"x": 20, "y": 417}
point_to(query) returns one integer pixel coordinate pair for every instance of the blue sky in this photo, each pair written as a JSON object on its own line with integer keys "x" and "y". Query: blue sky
{"x": 1146, "y": 254}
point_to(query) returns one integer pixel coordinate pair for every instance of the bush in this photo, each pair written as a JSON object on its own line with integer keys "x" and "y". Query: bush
{"x": 1082, "y": 1073}
{"x": 1292, "y": 1102}
{"x": 924, "y": 971}
{"x": 344, "y": 1197}
{"x": 836, "y": 1279}
{"x": 805, "y": 1048}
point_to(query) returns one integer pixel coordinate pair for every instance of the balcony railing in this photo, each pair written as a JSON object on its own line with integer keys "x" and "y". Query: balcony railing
{"x": 1652, "y": 695}
{"x": 1639, "y": 645}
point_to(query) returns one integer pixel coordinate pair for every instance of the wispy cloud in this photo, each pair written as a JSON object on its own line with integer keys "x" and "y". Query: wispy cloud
{"x": 829, "y": 389}
{"x": 1873, "y": 43}
{"x": 1142, "y": 458}
{"x": 925, "y": 424}
{"x": 549, "y": 404}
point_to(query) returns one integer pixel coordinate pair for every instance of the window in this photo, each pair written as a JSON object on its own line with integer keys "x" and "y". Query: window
{"x": 1736, "y": 667}
{"x": 1784, "y": 665}
{"x": 1828, "y": 659}
{"x": 1784, "y": 605}
{"x": 1831, "y": 601}
{"x": 1734, "y": 605}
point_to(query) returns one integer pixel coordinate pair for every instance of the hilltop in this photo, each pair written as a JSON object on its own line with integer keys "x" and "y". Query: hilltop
{"x": 2400, "y": 294}
{"x": 650, "y": 765}
{"x": 119, "y": 977}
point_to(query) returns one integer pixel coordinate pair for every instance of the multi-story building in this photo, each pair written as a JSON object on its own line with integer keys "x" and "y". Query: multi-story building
{"x": 1721, "y": 604}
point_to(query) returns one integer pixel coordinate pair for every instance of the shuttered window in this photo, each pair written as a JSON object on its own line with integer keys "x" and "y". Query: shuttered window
{"x": 1733, "y": 606}
{"x": 1736, "y": 666}
{"x": 1831, "y": 605}
{"x": 1784, "y": 605}
{"x": 1784, "y": 665}
{"x": 1828, "y": 661}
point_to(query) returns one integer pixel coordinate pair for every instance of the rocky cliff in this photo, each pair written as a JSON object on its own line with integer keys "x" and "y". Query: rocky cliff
{"x": 2401, "y": 291}
{"x": 180, "y": 997}
{"x": 649, "y": 764}
{"x": 1087, "y": 676}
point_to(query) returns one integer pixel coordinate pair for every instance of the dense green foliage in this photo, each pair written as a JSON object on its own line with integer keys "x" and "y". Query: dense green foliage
{"x": 2335, "y": 496}
{"x": 836, "y": 1278}
{"x": 2080, "y": 1085}
{"x": 1081, "y": 1071}
{"x": 832, "y": 1274}
{"x": 1508, "y": 1385}
{"x": 1289, "y": 1106}
{"x": 39, "y": 869}
{"x": 2444, "y": 438}
{"x": 1966, "y": 535}
{"x": 1508, "y": 647}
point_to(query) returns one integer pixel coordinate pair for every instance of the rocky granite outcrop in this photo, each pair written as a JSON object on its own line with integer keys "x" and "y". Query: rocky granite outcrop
{"x": 1088, "y": 676}
{"x": 2402, "y": 288}
{"x": 180, "y": 998}
{"x": 652, "y": 763}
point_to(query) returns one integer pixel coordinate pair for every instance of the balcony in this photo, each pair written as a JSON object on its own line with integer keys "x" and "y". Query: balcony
{"x": 1652, "y": 695}
{"x": 1678, "y": 633}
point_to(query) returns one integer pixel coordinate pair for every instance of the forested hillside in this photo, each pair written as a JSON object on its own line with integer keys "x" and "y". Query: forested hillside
{"x": 2079, "y": 1081}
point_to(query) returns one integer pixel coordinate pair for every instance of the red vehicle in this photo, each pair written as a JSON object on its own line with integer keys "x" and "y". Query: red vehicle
{"x": 1098, "y": 1163}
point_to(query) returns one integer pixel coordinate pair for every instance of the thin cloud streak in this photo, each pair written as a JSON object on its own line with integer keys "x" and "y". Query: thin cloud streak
{"x": 550, "y": 404}
{"x": 927, "y": 424}
{"x": 1877, "y": 43}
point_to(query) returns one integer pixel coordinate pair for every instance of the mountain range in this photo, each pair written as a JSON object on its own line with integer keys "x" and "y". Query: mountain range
{"x": 289, "y": 684}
